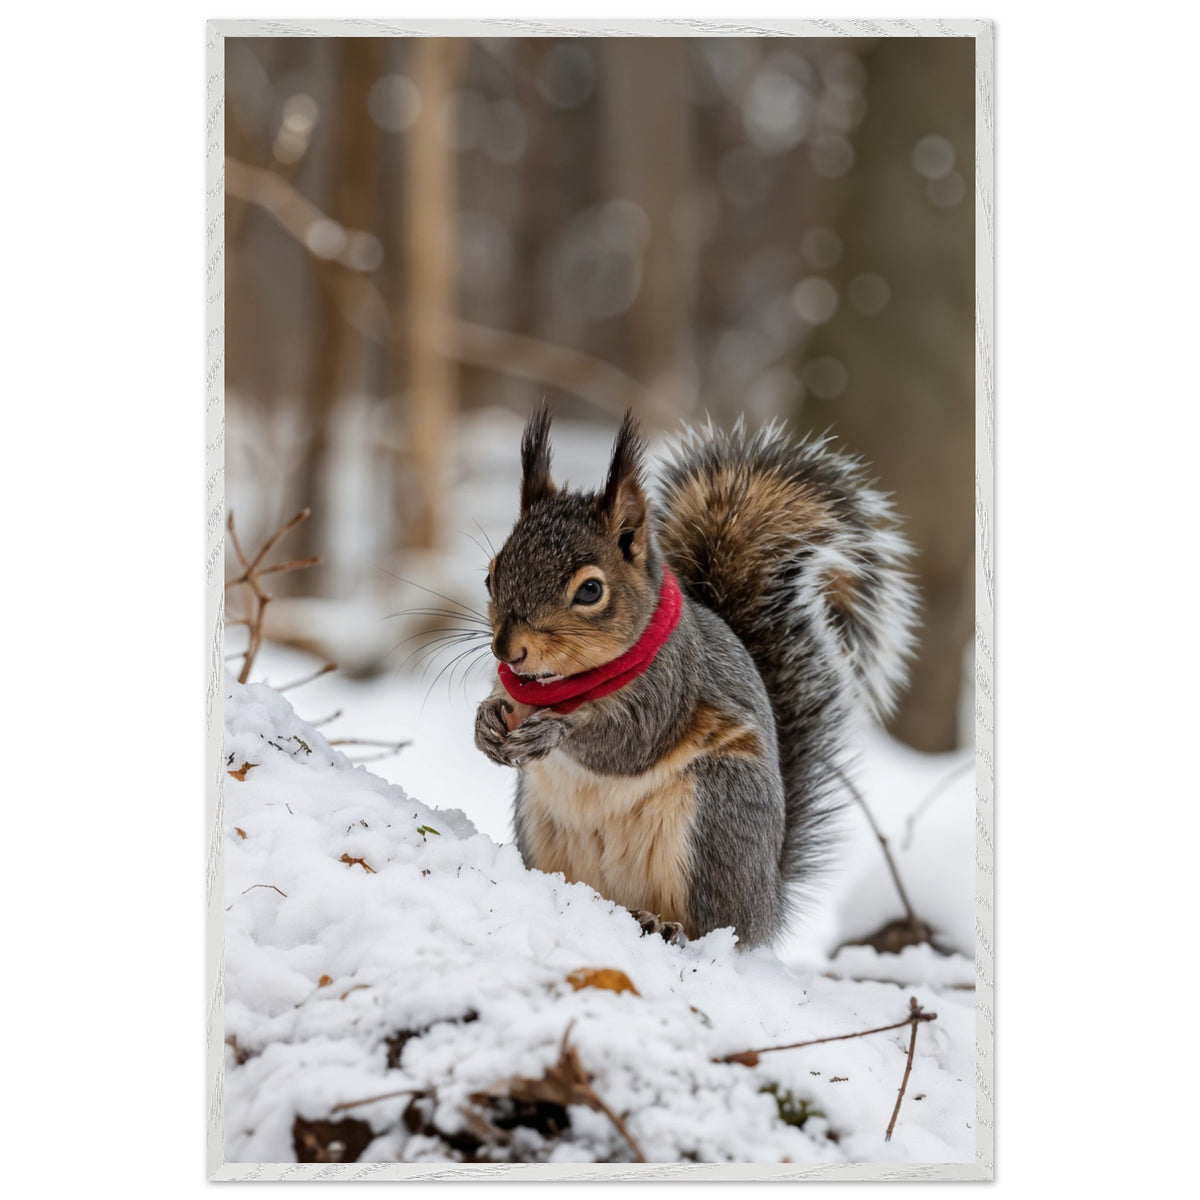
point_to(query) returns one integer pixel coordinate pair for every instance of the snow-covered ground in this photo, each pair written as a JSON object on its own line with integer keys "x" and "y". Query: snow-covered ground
{"x": 367, "y": 954}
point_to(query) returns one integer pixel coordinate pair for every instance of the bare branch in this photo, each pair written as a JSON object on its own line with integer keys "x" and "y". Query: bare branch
{"x": 941, "y": 786}
{"x": 365, "y": 308}
{"x": 337, "y": 1108}
{"x": 251, "y": 576}
{"x": 329, "y": 666}
{"x": 914, "y": 921}
{"x": 918, "y": 1015}
{"x": 749, "y": 1058}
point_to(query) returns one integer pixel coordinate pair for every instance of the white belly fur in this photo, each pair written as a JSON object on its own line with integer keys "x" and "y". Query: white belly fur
{"x": 626, "y": 836}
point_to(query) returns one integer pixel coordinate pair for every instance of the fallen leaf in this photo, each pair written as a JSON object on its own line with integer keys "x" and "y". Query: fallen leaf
{"x": 237, "y": 828}
{"x": 324, "y": 981}
{"x": 356, "y": 862}
{"x": 240, "y": 773}
{"x": 747, "y": 1058}
{"x": 608, "y": 978}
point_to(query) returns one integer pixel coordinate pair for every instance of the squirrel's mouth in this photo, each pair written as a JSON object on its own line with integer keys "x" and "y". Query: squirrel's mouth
{"x": 540, "y": 677}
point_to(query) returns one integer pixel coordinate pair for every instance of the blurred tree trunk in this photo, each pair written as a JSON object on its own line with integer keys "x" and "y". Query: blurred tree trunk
{"x": 429, "y": 208}
{"x": 647, "y": 149}
{"x": 909, "y": 403}
{"x": 337, "y": 349}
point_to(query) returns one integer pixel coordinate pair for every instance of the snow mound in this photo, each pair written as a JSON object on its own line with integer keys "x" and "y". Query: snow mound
{"x": 374, "y": 944}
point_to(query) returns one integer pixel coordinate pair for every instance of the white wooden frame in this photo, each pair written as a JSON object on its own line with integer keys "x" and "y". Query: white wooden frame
{"x": 982, "y": 32}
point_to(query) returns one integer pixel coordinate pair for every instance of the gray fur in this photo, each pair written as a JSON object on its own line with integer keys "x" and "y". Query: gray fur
{"x": 788, "y": 673}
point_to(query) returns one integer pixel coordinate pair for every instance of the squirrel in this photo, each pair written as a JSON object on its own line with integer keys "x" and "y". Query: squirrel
{"x": 675, "y": 678}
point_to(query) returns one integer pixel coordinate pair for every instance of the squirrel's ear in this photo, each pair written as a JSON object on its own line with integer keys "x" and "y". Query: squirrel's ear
{"x": 536, "y": 483}
{"x": 624, "y": 501}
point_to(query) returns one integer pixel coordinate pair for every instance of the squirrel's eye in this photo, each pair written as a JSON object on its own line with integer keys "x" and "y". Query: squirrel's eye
{"x": 589, "y": 591}
{"x": 487, "y": 582}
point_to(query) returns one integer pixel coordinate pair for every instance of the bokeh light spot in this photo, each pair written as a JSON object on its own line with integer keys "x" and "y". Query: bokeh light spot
{"x": 825, "y": 377}
{"x": 815, "y": 299}
{"x": 948, "y": 191}
{"x": 821, "y": 247}
{"x": 869, "y": 293}
{"x": 776, "y": 111}
{"x": 567, "y": 75}
{"x": 325, "y": 238}
{"x": 394, "y": 103}
{"x": 933, "y": 156}
{"x": 832, "y": 156}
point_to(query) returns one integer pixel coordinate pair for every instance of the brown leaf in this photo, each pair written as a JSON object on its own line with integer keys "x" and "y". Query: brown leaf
{"x": 324, "y": 981}
{"x": 608, "y": 978}
{"x": 356, "y": 862}
{"x": 564, "y": 1083}
{"x": 240, "y": 773}
{"x": 237, "y": 828}
{"x": 748, "y": 1058}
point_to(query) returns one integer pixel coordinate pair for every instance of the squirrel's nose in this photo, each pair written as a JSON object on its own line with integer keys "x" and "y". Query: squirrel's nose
{"x": 508, "y": 648}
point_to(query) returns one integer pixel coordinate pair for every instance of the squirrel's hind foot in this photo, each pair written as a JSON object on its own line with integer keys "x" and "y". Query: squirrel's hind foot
{"x": 670, "y": 931}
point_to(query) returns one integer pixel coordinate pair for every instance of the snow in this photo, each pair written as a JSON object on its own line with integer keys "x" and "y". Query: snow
{"x": 447, "y": 938}
{"x": 450, "y": 942}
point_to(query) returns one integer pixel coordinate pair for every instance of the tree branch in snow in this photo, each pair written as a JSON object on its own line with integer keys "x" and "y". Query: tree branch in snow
{"x": 915, "y": 927}
{"x": 749, "y": 1058}
{"x": 390, "y": 748}
{"x": 916, "y": 1016}
{"x": 329, "y": 666}
{"x": 251, "y": 576}
{"x": 337, "y": 1108}
{"x": 911, "y": 821}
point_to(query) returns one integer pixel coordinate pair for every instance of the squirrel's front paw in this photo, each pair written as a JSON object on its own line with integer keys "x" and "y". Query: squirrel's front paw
{"x": 535, "y": 737}
{"x": 491, "y": 730}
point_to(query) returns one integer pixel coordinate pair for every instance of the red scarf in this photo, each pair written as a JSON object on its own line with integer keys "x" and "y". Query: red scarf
{"x": 566, "y": 695}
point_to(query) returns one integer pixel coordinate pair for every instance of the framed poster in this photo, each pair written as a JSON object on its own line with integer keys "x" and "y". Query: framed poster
{"x": 419, "y": 233}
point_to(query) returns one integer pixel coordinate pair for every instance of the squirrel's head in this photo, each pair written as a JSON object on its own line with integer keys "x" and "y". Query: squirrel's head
{"x": 578, "y": 578}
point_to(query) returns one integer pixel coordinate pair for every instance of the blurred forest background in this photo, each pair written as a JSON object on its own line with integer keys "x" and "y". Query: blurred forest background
{"x": 424, "y": 234}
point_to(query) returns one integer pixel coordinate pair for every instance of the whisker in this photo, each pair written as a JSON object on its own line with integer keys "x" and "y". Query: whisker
{"x": 475, "y": 665}
{"x": 438, "y": 612}
{"x": 486, "y": 538}
{"x": 439, "y": 595}
{"x": 482, "y": 548}
{"x": 442, "y": 672}
{"x": 431, "y": 650}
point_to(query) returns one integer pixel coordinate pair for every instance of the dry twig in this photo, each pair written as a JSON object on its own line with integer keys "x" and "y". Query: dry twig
{"x": 252, "y": 574}
{"x": 911, "y": 820}
{"x": 329, "y": 666}
{"x": 749, "y": 1058}
{"x": 919, "y": 930}
{"x": 917, "y": 1015}
{"x": 390, "y": 748}
{"x": 337, "y": 1108}
{"x": 266, "y": 885}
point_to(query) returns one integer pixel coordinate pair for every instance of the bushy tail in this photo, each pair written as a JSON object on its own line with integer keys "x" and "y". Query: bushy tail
{"x": 793, "y": 548}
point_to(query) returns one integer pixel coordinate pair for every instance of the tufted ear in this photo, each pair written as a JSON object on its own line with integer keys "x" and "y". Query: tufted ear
{"x": 536, "y": 483}
{"x": 624, "y": 501}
